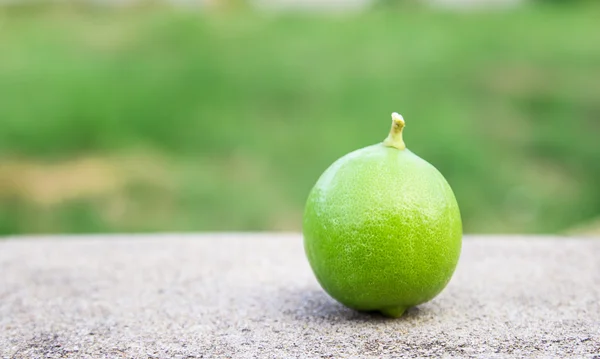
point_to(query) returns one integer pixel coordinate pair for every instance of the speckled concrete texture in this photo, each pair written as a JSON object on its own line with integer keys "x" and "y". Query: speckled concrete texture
{"x": 254, "y": 296}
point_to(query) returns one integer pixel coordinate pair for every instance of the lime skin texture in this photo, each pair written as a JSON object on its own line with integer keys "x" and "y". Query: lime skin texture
{"x": 382, "y": 229}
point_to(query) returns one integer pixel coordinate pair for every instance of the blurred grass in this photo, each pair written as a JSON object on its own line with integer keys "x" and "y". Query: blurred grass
{"x": 164, "y": 120}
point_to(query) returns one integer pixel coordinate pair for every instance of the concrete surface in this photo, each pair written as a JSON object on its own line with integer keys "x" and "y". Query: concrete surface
{"x": 254, "y": 296}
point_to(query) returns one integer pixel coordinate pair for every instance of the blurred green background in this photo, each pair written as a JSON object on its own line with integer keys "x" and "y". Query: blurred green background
{"x": 221, "y": 118}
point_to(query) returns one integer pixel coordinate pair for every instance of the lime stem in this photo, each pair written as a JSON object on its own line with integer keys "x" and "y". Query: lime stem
{"x": 394, "y": 139}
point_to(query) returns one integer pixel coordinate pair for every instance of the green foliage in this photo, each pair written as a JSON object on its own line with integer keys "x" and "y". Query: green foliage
{"x": 566, "y": 2}
{"x": 241, "y": 113}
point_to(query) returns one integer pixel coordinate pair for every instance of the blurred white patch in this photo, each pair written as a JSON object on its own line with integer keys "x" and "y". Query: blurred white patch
{"x": 313, "y": 5}
{"x": 473, "y": 4}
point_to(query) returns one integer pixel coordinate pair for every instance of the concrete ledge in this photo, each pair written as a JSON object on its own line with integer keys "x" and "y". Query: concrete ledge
{"x": 254, "y": 296}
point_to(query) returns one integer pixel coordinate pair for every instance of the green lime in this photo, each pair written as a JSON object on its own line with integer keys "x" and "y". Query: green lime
{"x": 382, "y": 229}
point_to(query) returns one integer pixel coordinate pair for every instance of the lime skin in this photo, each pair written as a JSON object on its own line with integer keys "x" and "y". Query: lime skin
{"x": 382, "y": 230}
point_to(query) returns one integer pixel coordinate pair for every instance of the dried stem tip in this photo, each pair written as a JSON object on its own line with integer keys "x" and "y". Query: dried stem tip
{"x": 394, "y": 139}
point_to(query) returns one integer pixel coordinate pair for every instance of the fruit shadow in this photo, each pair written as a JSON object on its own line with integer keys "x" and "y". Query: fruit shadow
{"x": 308, "y": 305}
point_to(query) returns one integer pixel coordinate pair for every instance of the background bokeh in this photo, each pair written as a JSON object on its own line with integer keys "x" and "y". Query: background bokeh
{"x": 221, "y": 115}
